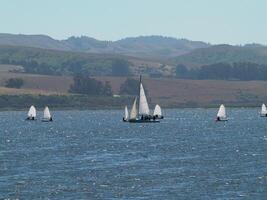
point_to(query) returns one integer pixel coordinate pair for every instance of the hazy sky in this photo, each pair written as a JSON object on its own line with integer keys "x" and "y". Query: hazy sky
{"x": 214, "y": 21}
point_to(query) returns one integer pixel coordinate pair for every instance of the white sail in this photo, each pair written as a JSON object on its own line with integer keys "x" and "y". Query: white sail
{"x": 221, "y": 112}
{"x": 157, "y": 111}
{"x": 133, "y": 114}
{"x": 263, "y": 109}
{"x": 47, "y": 114}
{"x": 143, "y": 105}
{"x": 126, "y": 114}
{"x": 32, "y": 112}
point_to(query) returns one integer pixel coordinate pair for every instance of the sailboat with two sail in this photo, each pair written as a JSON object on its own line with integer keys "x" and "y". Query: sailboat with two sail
{"x": 142, "y": 114}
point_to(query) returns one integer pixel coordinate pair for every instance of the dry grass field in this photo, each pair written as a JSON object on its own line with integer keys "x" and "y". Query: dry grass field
{"x": 174, "y": 92}
{"x": 167, "y": 92}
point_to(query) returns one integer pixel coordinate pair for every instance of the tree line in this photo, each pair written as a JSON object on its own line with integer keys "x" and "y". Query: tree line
{"x": 84, "y": 84}
{"x": 224, "y": 71}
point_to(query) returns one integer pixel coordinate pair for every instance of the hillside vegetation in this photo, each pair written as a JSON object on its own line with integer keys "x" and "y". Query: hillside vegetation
{"x": 41, "y": 61}
{"x": 223, "y": 54}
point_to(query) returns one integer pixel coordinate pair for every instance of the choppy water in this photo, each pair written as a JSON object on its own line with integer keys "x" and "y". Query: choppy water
{"x": 93, "y": 155}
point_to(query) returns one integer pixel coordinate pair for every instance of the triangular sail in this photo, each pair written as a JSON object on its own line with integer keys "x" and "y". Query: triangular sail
{"x": 126, "y": 114}
{"x": 221, "y": 112}
{"x": 47, "y": 114}
{"x": 143, "y": 105}
{"x": 157, "y": 111}
{"x": 133, "y": 114}
{"x": 263, "y": 109}
{"x": 32, "y": 112}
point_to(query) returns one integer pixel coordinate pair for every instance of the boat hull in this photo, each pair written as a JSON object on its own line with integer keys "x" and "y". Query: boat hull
{"x": 143, "y": 121}
{"x": 47, "y": 120}
{"x": 30, "y": 119}
{"x": 222, "y": 120}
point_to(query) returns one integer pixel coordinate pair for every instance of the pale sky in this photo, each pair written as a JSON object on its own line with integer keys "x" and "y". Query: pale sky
{"x": 214, "y": 21}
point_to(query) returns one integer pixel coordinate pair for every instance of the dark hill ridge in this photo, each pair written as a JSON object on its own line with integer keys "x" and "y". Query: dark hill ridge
{"x": 224, "y": 54}
{"x": 144, "y": 46}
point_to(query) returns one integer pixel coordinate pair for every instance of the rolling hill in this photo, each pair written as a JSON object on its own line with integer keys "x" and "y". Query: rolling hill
{"x": 223, "y": 54}
{"x": 157, "y": 47}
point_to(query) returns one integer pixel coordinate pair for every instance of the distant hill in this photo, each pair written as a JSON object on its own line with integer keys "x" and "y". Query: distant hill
{"x": 224, "y": 54}
{"x": 39, "y": 41}
{"x": 156, "y": 47}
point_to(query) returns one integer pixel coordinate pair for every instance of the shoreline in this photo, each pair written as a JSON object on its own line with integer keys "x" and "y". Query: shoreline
{"x": 117, "y": 108}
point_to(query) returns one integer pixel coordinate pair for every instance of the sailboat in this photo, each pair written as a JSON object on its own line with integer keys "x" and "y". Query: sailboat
{"x": 126, "y": 114}
{"x": 157, "y": 112}
{"x": 47, "y": 115}
{"x": 221, "y": 115}
{"x": 31, "y": 113}
{"x": 263, "y": 112}
{"x": 143, "y": 113}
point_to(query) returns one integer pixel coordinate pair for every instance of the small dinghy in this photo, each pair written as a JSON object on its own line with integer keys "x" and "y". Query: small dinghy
{"x": 221, "y": 116}
{"x": 31, "y": 113}
{"x": 263, "y": 112}
{"x": 157, "y": 112}
{"x": 47, "y": 116}
{"x": 126, "y": 115}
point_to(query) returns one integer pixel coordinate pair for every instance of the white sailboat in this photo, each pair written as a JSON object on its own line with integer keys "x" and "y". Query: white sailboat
{"x": 47, "y": 115}
{"x": 157, "y": 112}
{"x": 126, "y": 114}
{"x": 31, "y": 113}
{"x": 221, "y": 115}
{"x": 263, "y": 112}
{"x": 143, "y": 114}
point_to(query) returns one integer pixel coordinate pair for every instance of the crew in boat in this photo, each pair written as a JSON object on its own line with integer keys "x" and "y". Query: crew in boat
{"x": 218, "y": 119}
{"x": 30, "y": 118}
{"x": 51, "y": 119}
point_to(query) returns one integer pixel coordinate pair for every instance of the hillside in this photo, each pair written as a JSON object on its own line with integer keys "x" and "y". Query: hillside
{"x": 224, "y": 54}
{"x": 157, "y": 47}
{"x": 54, "y": 62}
{"x": 38, "y": 41}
